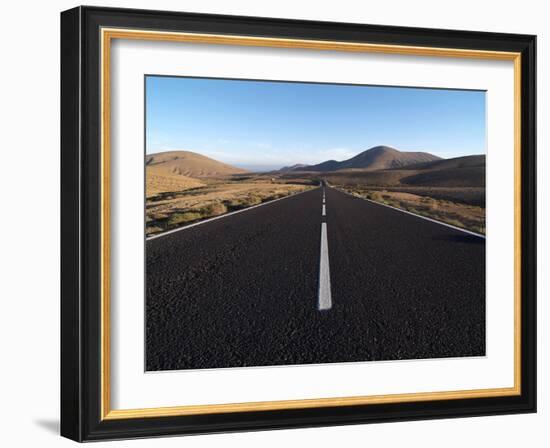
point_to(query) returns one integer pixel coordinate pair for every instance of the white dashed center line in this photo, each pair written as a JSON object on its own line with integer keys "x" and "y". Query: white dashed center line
{"x": 325, "y": 299}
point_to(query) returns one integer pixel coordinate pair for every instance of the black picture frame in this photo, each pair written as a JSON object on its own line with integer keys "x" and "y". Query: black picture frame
{"x": 81, "y": 414}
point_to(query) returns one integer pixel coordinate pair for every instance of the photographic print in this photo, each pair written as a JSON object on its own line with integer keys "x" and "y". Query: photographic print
{"x": 294, "y": 223}
{"x": 272, "y": 223}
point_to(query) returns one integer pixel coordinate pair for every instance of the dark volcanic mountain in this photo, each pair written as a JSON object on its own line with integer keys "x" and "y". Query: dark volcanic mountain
{"x": 459, "y": 172}
{"x": 296, "y": 167}
{"x": 467, "y": 171}
{"x": 377, "y": 158}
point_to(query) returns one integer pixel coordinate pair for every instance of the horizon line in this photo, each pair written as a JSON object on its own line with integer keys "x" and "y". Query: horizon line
{"x": 286, "y": 164}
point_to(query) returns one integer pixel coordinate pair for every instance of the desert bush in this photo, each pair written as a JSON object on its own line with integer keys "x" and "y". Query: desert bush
{"x": 276, "y": 195}
{"x": 376, "y": 196}
{"x": 181, "y": 218}
{"x": 154, "y": 216}
{"x": 479, "y": 229}
{"x": 149, "y": 230}
{"x": 214, "y": 209}
{"x": 253, "y": 199}
{"x": 233, "y": 204}
{"x": 236, "y": 204}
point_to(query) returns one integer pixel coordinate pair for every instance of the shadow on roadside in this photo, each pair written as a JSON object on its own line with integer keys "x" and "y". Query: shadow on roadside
{"x": 467, "y": 239}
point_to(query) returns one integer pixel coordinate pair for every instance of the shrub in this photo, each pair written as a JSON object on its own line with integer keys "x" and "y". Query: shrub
{"x": 181, "y": 218}
{"x": 253, "y": 199}
{"x": 214, "y": 209}
{"x": 149, "y": 230}
{"x": 376, "y": 196}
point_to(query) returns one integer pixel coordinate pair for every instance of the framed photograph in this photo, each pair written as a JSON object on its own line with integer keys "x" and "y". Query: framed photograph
{"x": 273, "y": 223}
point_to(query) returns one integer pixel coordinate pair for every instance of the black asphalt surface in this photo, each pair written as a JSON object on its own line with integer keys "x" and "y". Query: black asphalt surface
{"x": 243, "y": 290}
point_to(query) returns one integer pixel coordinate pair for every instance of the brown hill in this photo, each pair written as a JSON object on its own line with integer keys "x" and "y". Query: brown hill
{"x": 468, "y": 171}
{"x": 181, "y": 170}
{"x": 376, "y": 158}
{"x": 159, "y": 181}
{"x": 190, "y": 164}
{"x": 295, "y": 167}
{"x": 456, "y": 162}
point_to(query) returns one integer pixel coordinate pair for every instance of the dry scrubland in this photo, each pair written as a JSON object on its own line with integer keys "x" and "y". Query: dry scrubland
{"x": 169, "y": 210}
{"x": 158, "y": 183}
{"x": 183, "y": 187}
{"x": 464, "y": 195}
{"x": 447, "y": 190}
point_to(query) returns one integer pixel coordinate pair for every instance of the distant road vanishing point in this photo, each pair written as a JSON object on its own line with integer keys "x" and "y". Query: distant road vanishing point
{"x": 317, "y": 277}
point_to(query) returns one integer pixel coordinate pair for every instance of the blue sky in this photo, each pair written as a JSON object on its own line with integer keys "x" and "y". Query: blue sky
{"x": 265, "y": 125}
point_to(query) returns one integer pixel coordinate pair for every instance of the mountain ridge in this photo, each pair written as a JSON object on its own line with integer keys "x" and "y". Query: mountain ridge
{"x": 376, "y": 158}
{"x": 458, "y": 172}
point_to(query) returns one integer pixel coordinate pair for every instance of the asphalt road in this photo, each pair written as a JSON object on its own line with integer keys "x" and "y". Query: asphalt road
{"x": 262, "y": 288}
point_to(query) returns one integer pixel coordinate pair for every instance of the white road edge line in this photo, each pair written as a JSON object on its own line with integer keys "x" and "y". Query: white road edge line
{"x": 479, "y": 235}
{"x": 324, "y": 210}
{"x": 325, "y": 299}
{"x": 168, "y": 232}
